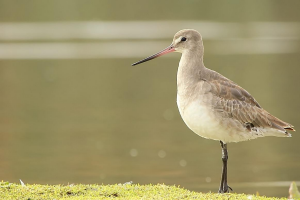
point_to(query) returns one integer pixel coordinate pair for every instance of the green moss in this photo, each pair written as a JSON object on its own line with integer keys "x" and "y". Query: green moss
{"x": 126, "y": 191}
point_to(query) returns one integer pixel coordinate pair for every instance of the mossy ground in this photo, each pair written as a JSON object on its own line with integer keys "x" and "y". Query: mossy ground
{"x": 126, "y": 191}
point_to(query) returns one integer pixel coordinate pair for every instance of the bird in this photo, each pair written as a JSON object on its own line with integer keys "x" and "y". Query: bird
{"x": 213, "y": 106}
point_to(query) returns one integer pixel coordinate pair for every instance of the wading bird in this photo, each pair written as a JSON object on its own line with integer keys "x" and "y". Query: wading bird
{"x": 213, "y": 106}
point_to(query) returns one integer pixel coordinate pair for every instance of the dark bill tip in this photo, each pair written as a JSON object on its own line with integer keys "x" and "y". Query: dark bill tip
{"x": 136, "y": 63}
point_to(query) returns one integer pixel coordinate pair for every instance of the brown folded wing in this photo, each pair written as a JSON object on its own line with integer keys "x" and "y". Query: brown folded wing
{"x": 233, "y": 101}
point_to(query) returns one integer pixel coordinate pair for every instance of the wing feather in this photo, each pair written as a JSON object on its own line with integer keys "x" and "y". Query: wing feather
{"x": 235, "y": 102}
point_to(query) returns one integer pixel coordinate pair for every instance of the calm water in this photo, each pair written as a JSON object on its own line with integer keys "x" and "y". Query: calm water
{"x": 99, "y": 120}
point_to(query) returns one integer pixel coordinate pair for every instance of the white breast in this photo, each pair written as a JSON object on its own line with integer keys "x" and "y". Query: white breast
{"x": 202, "y": 120}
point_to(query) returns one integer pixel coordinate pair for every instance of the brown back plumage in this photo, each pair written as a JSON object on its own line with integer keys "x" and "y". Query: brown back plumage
{"x": 235, "y": 102}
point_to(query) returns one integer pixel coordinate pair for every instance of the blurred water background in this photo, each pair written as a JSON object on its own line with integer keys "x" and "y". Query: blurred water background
{"x": 73, "y": 110}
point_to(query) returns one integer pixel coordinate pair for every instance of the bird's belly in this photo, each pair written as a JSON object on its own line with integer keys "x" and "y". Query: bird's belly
{"x": 203, "y": 120}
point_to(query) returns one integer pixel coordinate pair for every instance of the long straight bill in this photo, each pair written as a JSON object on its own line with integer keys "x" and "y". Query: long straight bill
{"x": 169, "y": 49}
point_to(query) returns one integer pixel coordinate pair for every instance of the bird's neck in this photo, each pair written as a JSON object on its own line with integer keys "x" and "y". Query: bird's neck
{"x": 190, "y": 68}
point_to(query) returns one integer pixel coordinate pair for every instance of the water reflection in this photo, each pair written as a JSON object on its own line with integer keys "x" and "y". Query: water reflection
{"x": 130, "y": 39}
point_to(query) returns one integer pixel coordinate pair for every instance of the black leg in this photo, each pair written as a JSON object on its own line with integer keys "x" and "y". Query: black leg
{"x": 224, "y": 187}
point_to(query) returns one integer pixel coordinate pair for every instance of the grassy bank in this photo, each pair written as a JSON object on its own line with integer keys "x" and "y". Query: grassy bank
{"x": 125, "y": 191}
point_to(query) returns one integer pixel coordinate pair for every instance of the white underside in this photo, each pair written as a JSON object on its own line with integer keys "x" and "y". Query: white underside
{"x": 205, "y": 122}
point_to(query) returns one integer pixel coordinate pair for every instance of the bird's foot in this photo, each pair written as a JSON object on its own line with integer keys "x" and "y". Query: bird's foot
{"x": 225, "y": 189}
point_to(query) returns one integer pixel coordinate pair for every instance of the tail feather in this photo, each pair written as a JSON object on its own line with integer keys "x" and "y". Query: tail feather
{"x": 290, "y": 128}
{"x": 281, "y": 125}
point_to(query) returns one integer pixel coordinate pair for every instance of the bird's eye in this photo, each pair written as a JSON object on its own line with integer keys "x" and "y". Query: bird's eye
{"x": 183, "y": 39}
